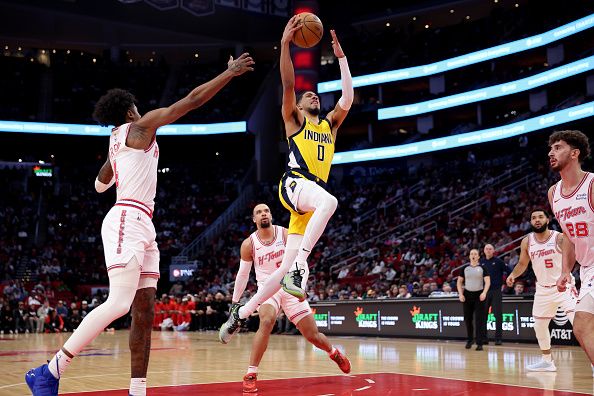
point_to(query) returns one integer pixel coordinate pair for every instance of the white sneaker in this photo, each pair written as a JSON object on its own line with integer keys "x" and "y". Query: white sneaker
{"x": 542, "y": 366}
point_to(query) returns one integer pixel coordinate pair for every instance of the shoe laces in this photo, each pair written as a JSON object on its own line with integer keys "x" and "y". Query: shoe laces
{"x": 237, "y": 321}
{"x": 297, "y": 275}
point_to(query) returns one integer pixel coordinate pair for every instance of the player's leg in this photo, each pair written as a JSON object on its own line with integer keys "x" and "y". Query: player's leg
{"x": 267, "y": 313}
{"x": 300, "y": 314}
{"x": 143, "y": 313}
{"x": 314, "y": 198}
{"x": 308, "y": 328}
{"x": 272, "y": 284}
{"x": 583, "y": 324}
{"x": 123, "y": 282}
{"x": 544, "y": 309}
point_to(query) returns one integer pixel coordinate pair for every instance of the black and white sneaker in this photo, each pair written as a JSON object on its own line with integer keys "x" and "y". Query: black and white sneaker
{"x": 232, "y": 325}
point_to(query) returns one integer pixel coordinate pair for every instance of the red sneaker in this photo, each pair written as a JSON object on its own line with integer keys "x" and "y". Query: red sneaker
{"x": 249, "y": 383}
{"x": 342, "y": 361}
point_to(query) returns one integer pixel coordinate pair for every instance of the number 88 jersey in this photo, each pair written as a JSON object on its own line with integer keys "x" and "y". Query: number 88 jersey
{"x": 575, "y": 214}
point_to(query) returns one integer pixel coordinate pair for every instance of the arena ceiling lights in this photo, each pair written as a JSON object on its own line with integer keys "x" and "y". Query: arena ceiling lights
{"x": 495, "y": 91}
{"x": 96, "y": 130}
{"x": 466, "y": 139}
{"x": 464, "y": 60}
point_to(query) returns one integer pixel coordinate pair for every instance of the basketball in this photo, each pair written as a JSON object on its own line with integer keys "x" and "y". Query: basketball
{"x": 311, "y": 31}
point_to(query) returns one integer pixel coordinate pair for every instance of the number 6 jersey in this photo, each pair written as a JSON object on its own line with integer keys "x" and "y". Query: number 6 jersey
{"x": 575, "y": 214}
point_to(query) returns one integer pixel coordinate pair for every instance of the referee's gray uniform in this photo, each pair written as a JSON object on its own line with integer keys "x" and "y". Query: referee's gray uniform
{"x": 474, "y": 284}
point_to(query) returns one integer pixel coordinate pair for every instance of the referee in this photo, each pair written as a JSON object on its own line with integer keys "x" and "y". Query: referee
{"x": 473, "y": 285}
{"x": 496, "y": 268}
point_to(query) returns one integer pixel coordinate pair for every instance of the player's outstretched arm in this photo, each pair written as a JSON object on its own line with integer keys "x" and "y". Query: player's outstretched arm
{"x": 290, "y": 113}
{"x": 142, "y": 131}
{"x": 337, "y": 116}
{"x": 105, "y": 179}
{"x": 568, "y": 255}
{"x": 522, "y": 265}
{"x": 245, "y": 266}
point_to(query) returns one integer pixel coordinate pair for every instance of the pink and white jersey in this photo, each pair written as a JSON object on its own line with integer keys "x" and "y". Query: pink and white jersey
{"x": 575, "y": 213}
{"x": 546, "y": 259}
{"x": 267, "y": 257}
{"x": 135, "y": 170}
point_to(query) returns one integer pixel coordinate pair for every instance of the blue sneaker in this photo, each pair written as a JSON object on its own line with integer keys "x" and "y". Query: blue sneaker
{"x": 42, "y": 382}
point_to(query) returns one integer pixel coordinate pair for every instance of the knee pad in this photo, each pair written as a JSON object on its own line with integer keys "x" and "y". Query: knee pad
{"x": 541, "y": 328}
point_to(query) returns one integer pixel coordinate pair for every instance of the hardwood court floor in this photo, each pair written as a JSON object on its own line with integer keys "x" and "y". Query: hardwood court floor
{"x": 195, "y": 363}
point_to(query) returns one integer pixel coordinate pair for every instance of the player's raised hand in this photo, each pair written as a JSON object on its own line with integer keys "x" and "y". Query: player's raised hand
{"x": 240, "y": 65}
{"x": 563, "y": 280}
{"x": 338, "y": 52}
{"x": 293, "y": 25}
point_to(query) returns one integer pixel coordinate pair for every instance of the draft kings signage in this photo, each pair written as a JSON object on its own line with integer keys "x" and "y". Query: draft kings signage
{"x": 424, "y": 320}
{"x": 366, "y": 320}
{"x": 430, "y": 318}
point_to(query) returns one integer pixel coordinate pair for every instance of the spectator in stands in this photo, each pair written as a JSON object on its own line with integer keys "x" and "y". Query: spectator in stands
{"x": 24, "y": 323}
{"x": 62, "y": 310}
{"x": 54, "y": 322}
{"x": 84, "y": 308}
{"x": 518, "y": 289}
{"x": 344, "y": 272}
{"x": 6, "y": 320}
{"x": 496, "y": 269}
{"x": 74, "y": 319}
{"x": 403, "y": 292}
{"x": 42, "y": 313}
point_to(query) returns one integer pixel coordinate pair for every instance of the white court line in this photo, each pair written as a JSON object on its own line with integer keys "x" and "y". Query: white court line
{"x": 481, "y": 382}
{"x": 362, "y": 389}
{"x": 370, "y": 381}
{"x": 313, "y": 374}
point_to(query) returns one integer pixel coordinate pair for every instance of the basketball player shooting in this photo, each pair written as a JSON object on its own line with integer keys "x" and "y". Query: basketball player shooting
{"x": 542, "y": 247}
{"x": 131, "y": 253}
{"x": 264, "y": 249}
{"x": 572, "y": 201}
{"x": 302, "y": 189}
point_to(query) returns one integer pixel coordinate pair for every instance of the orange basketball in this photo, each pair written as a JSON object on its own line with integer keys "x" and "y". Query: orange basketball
{"x": 311, "y": 30}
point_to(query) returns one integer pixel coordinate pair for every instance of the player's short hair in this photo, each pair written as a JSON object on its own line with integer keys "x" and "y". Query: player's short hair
{"x": 575, "y": 139}
{"x": 112, "y": 107}
{"x": 539, "y": 210}
{"x": 300, "y": 94}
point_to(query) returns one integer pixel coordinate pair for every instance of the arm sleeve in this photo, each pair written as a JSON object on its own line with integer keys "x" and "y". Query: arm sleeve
{"x": 346, "y": 100}
{"x": 102, "y": 187}
{"x": 241, "y": 280}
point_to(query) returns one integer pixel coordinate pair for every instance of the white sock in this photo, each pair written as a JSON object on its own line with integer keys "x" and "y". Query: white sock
{"x": 547, "y": 358}
{"x": 332, "y": 351}
{"x": 59, "y": 364}
{"x": 138, "y": 386}
{"x": 302, "y": 255}
{"x": 252, "y": 370}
